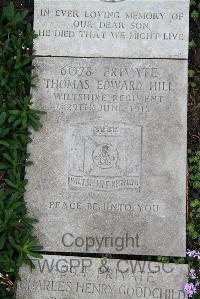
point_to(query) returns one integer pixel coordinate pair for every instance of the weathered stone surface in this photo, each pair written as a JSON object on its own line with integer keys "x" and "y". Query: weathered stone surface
{"x": 110, "y": 162}
{"x": 129, "y": 28}
{"x": 60, "y": 277}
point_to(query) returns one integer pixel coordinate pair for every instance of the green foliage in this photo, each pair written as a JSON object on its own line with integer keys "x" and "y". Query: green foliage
{"x": 193, "y": 227}
{"x": 194, "y": 169}
{"x": 192, "y": 44}
{"x": 163, "y": 259}
{"x": 17, "y": 244}
{"x": 194, "y": 67}
{"x": 195, "y": 14}
{"x": 191, "y": 73}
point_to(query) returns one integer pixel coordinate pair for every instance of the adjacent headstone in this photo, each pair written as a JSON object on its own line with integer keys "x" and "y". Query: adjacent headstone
{"x": 59, "y": 277}
{"x": 110, "y": 162}
{"x": 107, "y": 28}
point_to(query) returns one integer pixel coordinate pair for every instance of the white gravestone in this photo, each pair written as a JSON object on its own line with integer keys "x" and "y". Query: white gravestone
{"x": 128, "y": 28}
{"x": 110, "y": 161}
{"x": 60, "y": 277}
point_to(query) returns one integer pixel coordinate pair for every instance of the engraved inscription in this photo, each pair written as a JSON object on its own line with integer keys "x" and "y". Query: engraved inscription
{"x": 102, "y": 156}
{"x": 61, "y": 277}
{"x": 125, "y": 88}
{"x": 143, "y": 29}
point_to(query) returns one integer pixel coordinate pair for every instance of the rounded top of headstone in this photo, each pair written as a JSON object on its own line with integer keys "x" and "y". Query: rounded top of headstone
{"x": 112, "y": 1}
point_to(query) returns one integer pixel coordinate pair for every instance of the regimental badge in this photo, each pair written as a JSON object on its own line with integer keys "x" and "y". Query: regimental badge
{"x": 105, "y": 156}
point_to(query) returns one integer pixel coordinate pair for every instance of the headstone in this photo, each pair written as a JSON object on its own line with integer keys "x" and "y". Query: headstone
{"x": 109, "y": 173}
{"x": 63, "y": 277}
{"x": 107, "y": 28}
